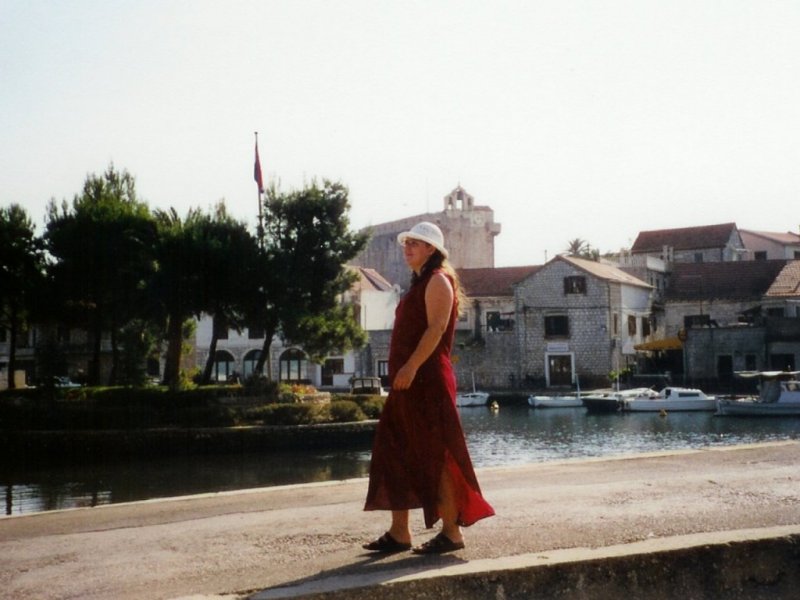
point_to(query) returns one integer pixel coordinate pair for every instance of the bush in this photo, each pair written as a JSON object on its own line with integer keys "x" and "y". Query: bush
{"x": 372, "y": 406}
{"x": 345, "y": 411}
{"x": 285, "y": 414}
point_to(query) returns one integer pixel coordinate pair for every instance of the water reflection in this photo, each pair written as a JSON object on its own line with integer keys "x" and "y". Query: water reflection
{"x": 513, "y": 435}
{"x": 517, "y": 435}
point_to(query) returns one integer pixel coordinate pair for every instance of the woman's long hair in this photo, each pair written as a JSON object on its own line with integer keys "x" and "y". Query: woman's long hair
{"x": 438, "y": 261}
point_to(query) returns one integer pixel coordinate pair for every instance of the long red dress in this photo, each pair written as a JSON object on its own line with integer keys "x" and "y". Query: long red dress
{"x": 419, "y": 432}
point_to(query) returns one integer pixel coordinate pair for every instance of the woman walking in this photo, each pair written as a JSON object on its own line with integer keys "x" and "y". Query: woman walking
{"x": 419, "y": 457}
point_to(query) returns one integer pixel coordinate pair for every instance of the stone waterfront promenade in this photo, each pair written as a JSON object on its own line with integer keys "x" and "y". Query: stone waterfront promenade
{"x": 716, "y": 523}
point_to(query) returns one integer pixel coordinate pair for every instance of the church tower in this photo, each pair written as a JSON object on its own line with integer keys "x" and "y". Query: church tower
{"x": 469, "y": 233}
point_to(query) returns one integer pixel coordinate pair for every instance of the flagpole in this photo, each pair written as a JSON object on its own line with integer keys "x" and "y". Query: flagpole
{"x": 260, "y": 231}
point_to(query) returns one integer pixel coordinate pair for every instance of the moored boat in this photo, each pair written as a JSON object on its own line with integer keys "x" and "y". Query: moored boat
{"x": 779, "y": 396}
{"x": 670, "y": 399}
{"x": 565, "y": 401}
{"x": 472, "y": 399}
{"x": 611, "y": 401}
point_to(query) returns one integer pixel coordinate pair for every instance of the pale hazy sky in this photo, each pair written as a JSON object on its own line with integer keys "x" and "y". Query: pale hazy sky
{"x": 571, "y": 119}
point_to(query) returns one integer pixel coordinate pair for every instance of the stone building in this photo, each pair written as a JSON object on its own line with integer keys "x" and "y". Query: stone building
{"x": 578, "y": 317}
{"x": 766, "y": 245}
{"x": 725, "y": 317}
{"x": 486, "y": 340}
{"x": 374, "y": 299}
{"x": 469, "y": 233}
{"x": 708, "y": 243}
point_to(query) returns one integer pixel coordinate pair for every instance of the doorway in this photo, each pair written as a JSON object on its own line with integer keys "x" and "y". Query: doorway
{"x": 559, "y": 370}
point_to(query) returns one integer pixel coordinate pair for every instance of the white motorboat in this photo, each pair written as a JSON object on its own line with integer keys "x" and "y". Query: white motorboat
{"x": 779, "y": 395}
{"x": 565, "y": 401}
{"x": 670, "y": 399}
{"x": 472, "y": 399}
{"x": 611, "y": 400}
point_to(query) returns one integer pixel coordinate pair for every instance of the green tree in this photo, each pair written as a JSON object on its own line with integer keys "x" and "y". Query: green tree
{"x": 21, "y": 275}
{"x": 582, "y": 249}
{"x": 307, "y": 245}
{"x": 102, "y": 247}
{"x": 229, "y": 260}
{"x": 176, "y": 284}
{"x": 207, "y": 264}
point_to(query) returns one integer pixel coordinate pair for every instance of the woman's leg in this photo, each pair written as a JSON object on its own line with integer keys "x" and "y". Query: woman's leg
{"x": 448, "y": 507}
{"x": 399, "y": 529}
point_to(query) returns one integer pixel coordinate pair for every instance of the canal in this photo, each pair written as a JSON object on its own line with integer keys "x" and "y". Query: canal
{"x": 513, "y": 435}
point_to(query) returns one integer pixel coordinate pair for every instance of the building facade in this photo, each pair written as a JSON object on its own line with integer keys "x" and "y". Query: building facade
{"x": 469, "y": 231}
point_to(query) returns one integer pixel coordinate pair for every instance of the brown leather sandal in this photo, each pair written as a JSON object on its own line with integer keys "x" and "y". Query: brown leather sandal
{"x": 386, "y": 544}
{"x": 438, "y": 545}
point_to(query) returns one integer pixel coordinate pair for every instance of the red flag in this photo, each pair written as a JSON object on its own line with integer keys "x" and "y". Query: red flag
{"x": 257, "y": 173}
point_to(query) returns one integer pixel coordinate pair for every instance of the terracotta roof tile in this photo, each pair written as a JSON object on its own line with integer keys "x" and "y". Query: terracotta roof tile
{"x": 493, "y": 281}
{"x": 370, "y": 279}
{"x": 788, "y": 238}
{"x": 787, "y": 283}
{"x": 686, "y": 238}
{"x": 603, "y": 271}
{"x": 741, "y": 280}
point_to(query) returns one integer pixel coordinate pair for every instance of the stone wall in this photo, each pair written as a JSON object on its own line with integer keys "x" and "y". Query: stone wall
{"x": 590, "y": 336}
{"x": 704, "y": 346}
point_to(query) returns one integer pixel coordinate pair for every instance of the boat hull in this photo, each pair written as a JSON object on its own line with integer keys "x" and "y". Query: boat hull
{"x": 555, "y": 401}
{"x": 751, "y": 408}
{"x": 706, "y": 404}
{"x": 472, "y": 399}
{"x": 601, "y": 404}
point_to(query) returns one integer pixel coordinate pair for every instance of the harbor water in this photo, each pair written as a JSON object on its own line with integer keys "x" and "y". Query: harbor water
{"x": 512, "y": 435}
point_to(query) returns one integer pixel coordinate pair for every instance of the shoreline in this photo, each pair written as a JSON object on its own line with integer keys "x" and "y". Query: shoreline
{"x": 693, "y": 518}
{"x": 184, "y": 441}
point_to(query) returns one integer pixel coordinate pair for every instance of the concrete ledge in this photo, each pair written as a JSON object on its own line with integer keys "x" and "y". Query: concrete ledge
{"x": 197, "y": 440}
{"x": 745, "y": 564}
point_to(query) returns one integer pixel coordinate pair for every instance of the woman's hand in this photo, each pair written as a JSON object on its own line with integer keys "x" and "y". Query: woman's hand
{"x": 404, "y": 377}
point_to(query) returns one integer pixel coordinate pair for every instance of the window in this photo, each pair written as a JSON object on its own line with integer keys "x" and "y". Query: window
{"x": 556, "y": 326}
{"x": 696, "y": 321}
{"x": 497, "y": 321}
{"x": 760, "y": 255}
{"x": 615, "y": 326}
{"x": 631, "y": 325}
{"x": 645, "y": 326}
{"x": 332, "y": 366}
{"x": 293, "y": 366}
{"x": 698, "y": 257}
{"x": 574, "y": 284}
{"x": 383, "y": 372}
{"x": 3, "y": 335}
{"x": 775, "y": 312}
{"x": 153, "y": 368}
{"x": 250, "y": 362}
{"x": 749, "y": 362}
{"x": 223, "y": 365}
{"x": 781, "y": 362}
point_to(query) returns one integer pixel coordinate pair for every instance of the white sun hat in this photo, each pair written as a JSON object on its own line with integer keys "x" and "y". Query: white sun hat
{"x": 426, "y": 232}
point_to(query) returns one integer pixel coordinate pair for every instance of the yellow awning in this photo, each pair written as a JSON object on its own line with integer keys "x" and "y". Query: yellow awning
{"x": 672, "y": 343}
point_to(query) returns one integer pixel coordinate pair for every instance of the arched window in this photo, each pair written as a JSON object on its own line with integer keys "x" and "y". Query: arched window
{"x": 250, "y": 361}
{"x": 223, "y": 365}
{"x": 294, "y": 366}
